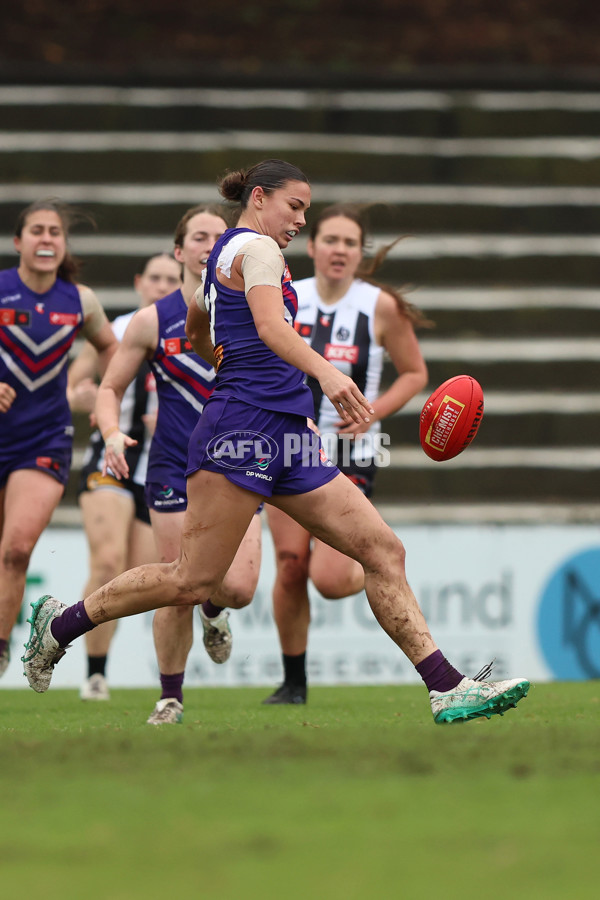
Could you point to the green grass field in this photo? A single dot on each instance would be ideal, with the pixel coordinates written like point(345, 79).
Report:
point(357, 795)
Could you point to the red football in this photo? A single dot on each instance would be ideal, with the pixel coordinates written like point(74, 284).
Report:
point(451, 417)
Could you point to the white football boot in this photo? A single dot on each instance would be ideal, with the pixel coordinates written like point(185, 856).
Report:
point(218, 639)
point(41, 650)
point(471, 699)
point(166, 712)
point(95, 688)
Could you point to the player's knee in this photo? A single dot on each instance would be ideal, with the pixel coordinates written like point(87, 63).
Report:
point(292, 570)
point(107, 567)
point(332, 591)
point(190, 587)
point(386, 556)
point(338, 588)
point(398, 554)
point(237, 590)
point(238, 599)
point(188, 596)
point(173, 614)
point(16, 557)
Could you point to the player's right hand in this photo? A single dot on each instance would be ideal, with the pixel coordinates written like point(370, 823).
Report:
point(116, 443)
point(7, 396)
point(349, 402)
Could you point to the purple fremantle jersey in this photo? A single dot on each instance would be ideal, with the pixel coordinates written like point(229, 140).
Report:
point(247, 369)
point(184, 383)
point(36, 334)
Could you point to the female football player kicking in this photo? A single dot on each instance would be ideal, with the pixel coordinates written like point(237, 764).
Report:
point(247, 308)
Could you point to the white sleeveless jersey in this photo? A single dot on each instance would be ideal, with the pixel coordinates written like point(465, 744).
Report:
point(343, 333)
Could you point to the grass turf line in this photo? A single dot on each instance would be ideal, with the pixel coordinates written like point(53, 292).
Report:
point(356, 795)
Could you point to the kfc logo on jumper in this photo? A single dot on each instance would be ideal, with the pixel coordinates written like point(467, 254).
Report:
point(339, 353)
point(58, 318)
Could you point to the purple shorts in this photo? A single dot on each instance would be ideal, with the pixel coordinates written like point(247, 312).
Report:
point(269, 453)
point(165, 498)
point(54, 461)
point(170, 497)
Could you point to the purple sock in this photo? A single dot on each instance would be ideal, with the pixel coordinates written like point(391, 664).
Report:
point(437, 673)
point(71, 624)
point(172, 686)
point(210, 610)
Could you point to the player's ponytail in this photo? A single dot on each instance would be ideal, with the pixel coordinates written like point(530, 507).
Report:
point(270, 175)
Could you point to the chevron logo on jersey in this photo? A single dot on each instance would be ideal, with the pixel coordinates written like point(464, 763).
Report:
point(186, 373)
point(36, 364)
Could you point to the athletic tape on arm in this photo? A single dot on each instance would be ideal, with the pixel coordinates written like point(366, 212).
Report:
point(93, 313)
point(262, 264)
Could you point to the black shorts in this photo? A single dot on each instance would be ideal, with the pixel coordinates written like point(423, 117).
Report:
point(362, 476)
point(92, 479)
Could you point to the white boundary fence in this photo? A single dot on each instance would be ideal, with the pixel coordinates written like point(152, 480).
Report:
point(526, 595)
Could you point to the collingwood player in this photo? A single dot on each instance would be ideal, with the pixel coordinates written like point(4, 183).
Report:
point(352, 321)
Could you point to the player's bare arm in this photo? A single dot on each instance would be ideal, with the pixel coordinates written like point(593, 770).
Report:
point(266, 305)
point(138, 343)
point(257, 270)
point(82, 388)
point(96, 328)
point(197, 329)
point(395, 332)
